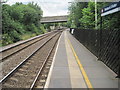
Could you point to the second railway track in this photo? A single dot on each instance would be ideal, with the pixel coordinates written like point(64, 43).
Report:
point(17, 48)
point(17, 58)
point(34, 68)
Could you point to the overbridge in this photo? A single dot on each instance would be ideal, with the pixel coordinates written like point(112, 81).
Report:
point(53, 19)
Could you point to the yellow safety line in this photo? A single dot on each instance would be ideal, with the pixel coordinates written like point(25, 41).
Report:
point(81, 68)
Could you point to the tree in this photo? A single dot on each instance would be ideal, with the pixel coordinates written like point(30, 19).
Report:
point(88, 18)
point(20, 19)
point(76, 13)
point(82, 15)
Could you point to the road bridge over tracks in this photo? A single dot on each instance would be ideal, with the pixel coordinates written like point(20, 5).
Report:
point(53, 19)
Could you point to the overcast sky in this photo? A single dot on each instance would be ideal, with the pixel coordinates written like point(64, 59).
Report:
point(49, 7)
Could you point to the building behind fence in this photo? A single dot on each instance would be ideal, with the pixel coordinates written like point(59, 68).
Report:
point(105, 45)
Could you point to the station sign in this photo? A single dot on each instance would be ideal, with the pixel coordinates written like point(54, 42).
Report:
point(112, 8)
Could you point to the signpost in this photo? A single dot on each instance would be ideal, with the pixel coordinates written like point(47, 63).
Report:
point(114, 7)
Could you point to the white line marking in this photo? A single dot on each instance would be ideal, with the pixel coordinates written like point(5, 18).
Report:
point(51, 68)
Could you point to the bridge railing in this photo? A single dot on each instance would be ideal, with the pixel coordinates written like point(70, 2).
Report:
point(105, 46)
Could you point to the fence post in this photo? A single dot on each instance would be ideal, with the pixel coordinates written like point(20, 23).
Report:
point(119, 69)
point(119, 63)
point(119, 54)
point(100, 39)
point(118, 57)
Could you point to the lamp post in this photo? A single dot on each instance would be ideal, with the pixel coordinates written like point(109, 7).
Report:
point(95, 14)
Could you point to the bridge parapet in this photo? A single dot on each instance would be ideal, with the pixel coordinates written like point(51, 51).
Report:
point(52, 19)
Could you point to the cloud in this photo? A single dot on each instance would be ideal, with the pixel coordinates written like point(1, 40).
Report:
point(49, 7)
point(10, 2)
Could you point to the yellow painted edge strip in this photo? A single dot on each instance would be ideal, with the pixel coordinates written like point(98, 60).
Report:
point(81, 68)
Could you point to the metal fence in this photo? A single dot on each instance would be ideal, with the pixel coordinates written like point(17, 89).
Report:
point(105, 45)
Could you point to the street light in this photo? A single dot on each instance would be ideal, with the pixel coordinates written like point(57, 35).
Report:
point(95, 14)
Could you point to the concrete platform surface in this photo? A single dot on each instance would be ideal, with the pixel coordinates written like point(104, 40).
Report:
point(74, 66)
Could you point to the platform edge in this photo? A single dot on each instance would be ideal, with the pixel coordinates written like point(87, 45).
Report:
point(50, 72)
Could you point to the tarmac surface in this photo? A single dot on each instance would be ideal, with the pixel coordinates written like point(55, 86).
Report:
point(74, 66)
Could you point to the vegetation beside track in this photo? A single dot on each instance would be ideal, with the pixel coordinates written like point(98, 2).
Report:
point(20, 22)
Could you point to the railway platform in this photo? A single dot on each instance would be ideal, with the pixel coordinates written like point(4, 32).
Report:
point(74, 66)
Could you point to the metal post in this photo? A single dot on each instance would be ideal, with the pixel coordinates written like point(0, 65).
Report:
point(118, 55)
point(119, 66)
point(100, 39)
point(119, 58)
point(118, 76)
point(95, 14)
point(118, 61)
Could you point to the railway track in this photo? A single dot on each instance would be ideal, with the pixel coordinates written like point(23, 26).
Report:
point(32, 71)
point(40, 80)
point(6, 53)
point(19, 56)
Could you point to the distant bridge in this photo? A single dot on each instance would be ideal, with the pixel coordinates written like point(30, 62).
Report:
point(53, 19)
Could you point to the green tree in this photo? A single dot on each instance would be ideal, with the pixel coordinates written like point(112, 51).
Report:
point(82, 15)
point(75, 11)
point(88, 18)
point(19, 20)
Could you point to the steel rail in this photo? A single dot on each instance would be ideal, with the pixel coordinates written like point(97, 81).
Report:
point(25, 41)
point(11, 72)
point(42, 37)
point(43, 65)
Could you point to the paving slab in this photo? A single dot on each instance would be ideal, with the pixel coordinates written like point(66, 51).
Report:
point(66, 73)
point(60, 76)
point(98, 73)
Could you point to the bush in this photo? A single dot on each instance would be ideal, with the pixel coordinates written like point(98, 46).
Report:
point(20, 20)
point(6, 39)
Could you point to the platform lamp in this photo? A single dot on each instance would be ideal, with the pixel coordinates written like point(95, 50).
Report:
point(95, 14)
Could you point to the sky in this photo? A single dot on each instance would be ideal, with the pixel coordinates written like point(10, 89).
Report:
point(49, 7)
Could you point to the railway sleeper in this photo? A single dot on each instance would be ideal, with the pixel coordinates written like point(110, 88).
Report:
point(40, 85)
